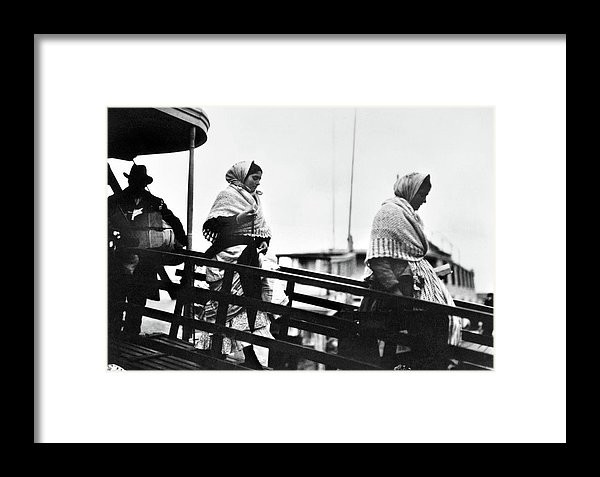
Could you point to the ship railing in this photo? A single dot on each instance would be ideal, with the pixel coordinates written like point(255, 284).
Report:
point(344, 321)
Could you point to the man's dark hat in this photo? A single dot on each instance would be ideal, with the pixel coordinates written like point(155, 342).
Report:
point(138, 175)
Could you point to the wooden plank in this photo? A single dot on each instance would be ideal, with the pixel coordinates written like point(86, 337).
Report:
point(477, 347)
point(166, 364)
point(284, 319)
point(131, 345)
point(475, 357)
point(201, 361)
point(131, 352)
point(278, 359)
point(180, 364)
point(307, 353)
point(178, 350)
point(112, 181)
point(466, 366)
point(146, 365)
point(468, 345)
point(176, 343)
point(188, 280)
point(402, 301)
point(187, 349)
point(331, 360)
point(474, 306)
point(477, 338)
point(324, 276)
point(127, 356)
point(486, 349)
point(345, 327)
point(341, 320)
point(197, 276)
point(139, 356)
point(149, 356)
point(159, 364)
point(314, 328)
point(397, 338)
point(137, 352)
point(164, 277)
point(125, 364)
point(178, 311)
point(221, 318)
point(322, 302)
point(302, 351)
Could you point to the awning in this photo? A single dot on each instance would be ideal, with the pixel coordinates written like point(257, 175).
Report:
point(140, 131)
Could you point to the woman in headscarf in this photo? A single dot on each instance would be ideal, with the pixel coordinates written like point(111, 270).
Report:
point(396, 258)
point(239, 233)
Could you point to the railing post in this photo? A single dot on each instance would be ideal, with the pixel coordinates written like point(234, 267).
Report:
point(221, 319)
point(188, 309)
point(284, 321)
point(277, 359)
point(179, 303)
point(175, 324)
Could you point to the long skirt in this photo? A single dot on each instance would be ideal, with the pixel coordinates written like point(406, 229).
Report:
point(431, 288)
point(430, 337)
point(237, 316)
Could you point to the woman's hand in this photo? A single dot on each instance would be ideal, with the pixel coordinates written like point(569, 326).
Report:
point(246, 215)
point(263, 247)
point(404, 287)
point(396, 291)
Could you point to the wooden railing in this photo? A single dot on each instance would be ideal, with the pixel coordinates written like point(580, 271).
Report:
point(344, 321)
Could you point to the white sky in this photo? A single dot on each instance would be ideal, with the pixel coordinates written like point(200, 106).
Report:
point(518, 151)
point(306, 154)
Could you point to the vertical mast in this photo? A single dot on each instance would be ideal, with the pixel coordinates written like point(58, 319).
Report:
point(333, 182)
point(350, 241)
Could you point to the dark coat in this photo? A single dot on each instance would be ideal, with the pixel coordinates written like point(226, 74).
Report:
point(124, 202)
point(120, 210)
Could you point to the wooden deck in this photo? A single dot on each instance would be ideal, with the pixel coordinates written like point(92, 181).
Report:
point(474, 355)
point(132, 356)
point(159, 352)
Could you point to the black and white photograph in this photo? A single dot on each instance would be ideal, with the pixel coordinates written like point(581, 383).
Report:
point(319, 217)
point(364, 219)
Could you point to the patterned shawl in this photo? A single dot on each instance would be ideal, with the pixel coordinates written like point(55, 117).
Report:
point(397, 232)
point(235, 199)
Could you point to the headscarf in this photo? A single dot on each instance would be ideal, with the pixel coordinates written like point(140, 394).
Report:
point(406, 187)
point(238, 173)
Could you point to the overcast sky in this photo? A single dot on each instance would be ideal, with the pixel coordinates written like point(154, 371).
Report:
point(306, 154)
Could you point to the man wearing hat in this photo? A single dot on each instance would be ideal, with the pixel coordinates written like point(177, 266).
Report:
point(132, 277)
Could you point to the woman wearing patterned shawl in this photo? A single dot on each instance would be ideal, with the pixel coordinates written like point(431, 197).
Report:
point(396, 258)
point(239, 233)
